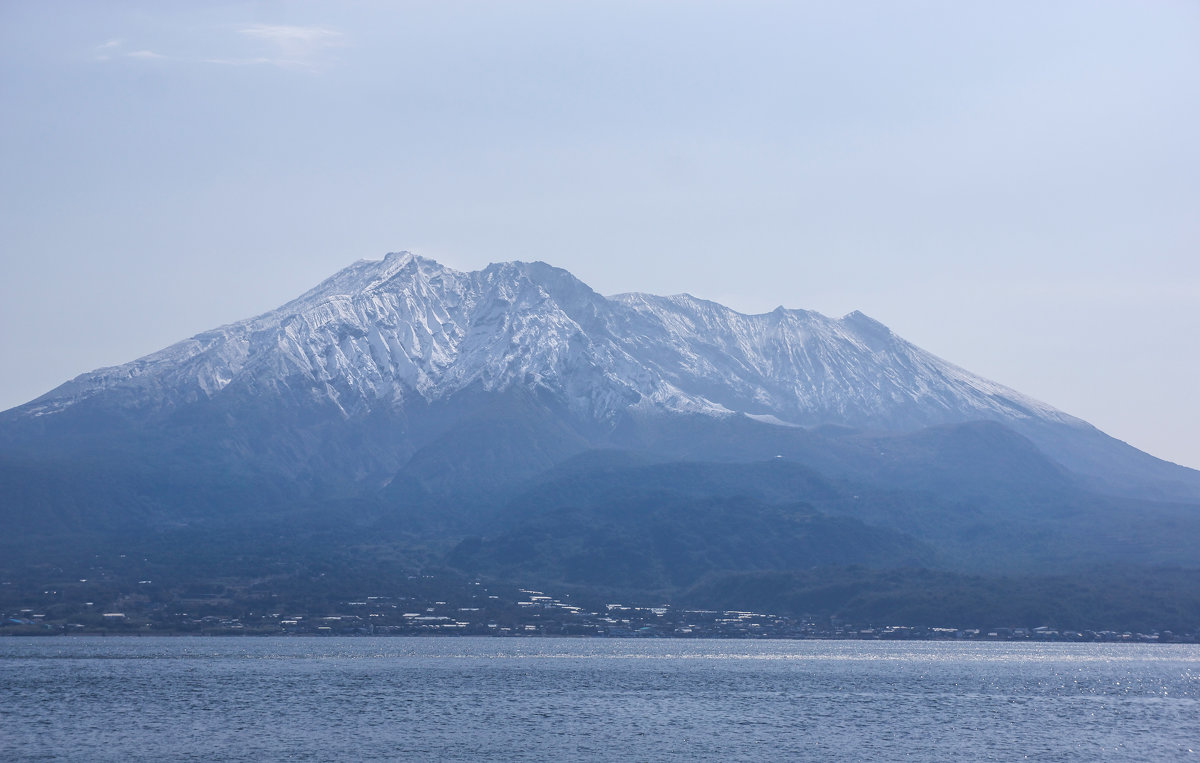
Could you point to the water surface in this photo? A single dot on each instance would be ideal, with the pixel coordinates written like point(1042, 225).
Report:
point(536, 699)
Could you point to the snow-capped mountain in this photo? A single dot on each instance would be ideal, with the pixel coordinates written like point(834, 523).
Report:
point(370, 372)
point(382, 334)
point(403, 399)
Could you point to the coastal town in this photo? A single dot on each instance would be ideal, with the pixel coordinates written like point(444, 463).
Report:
point(504, 613)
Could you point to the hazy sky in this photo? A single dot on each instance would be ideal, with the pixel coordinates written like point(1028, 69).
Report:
point(1014, 186)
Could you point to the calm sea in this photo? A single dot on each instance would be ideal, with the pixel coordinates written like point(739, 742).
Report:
point(431, 699)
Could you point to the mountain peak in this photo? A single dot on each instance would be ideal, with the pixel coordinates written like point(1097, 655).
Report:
point(397, 263)
point(862, 320)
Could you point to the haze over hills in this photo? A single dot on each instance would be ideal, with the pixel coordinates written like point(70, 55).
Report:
point(513, 422)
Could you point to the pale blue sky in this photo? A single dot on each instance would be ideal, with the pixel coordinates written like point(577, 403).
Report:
point(1013, 186)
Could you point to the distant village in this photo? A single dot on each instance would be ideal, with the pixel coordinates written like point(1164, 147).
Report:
point(525, 614)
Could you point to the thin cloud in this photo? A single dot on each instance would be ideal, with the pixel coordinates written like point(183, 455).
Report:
point(105, 50)
point(291, 47)
point(299, 38)
point(110, 49)
point(295, 46)
point(241, 61)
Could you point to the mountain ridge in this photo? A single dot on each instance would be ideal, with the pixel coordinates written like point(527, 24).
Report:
point(407, 324)
point(384, 338)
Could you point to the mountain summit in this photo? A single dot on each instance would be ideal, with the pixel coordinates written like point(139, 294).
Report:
point(380, 334)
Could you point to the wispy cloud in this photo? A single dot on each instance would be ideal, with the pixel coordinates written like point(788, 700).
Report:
point(290, 47)
point(110, 49)
point(263, 60)
point(295, 40)
point(107, 49)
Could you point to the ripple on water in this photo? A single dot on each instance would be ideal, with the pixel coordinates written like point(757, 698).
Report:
point(523, 699)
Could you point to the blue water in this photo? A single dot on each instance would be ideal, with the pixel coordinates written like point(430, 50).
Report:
point(228, 698)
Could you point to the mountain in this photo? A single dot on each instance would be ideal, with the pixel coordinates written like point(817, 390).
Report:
point(406, 402)
point(380, 335)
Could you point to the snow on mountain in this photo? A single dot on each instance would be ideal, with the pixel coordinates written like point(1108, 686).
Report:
point(803, 367)
point(390, 331)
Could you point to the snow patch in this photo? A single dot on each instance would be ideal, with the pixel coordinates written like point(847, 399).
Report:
point(767, 418)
